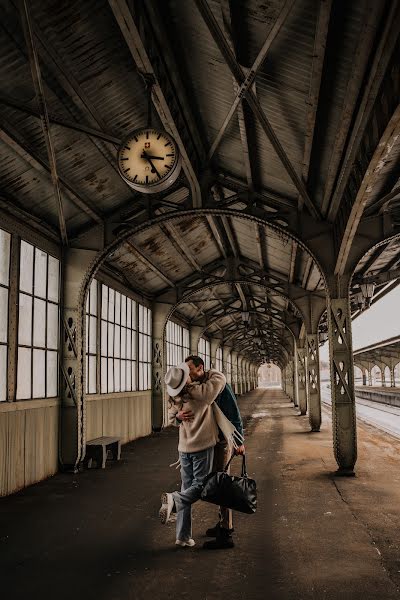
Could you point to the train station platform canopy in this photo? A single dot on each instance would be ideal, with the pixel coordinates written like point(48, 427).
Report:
point(285, 217)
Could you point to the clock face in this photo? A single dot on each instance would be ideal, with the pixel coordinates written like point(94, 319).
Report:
point(148, 160)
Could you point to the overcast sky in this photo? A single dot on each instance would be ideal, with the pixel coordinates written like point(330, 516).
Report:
point(380, 322)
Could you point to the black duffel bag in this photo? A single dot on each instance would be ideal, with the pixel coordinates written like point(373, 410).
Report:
point(237, 493)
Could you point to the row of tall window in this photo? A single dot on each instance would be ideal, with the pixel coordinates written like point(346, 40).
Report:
point(122, 359)
point(177, 344)
point(37, 317)
point(204, 351)
point(218, 359)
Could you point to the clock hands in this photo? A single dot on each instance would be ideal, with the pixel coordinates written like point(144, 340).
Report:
point(148, 158)
point(145, 155)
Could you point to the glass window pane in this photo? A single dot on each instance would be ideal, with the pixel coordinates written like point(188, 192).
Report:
point(104, 338)
point(117, 307)
point(87, 333)
point(53, 285)
point(123, 375)
point(134, 340)
point(117, 341)
point(26, 268)
point(110, 370)
point(40, 273)
point(3, 372)
point(134, 324)
point(110, 349)
point(3, 315)
point(25, 320)
point(93, 297)
point(4, 256)
point(104, 301)
point(103, 375)
point(39, 324)
point(24, 373)
point(39, 368)
point(123, 342)
point(93, 335)
point(123, 310)
point(129, 345)
point(111, 300)
point(134, 376)
point(117, 378)
point(128, 312)
point(128, 376)
point(52, 374)
point(87, 375)
point(92, 374)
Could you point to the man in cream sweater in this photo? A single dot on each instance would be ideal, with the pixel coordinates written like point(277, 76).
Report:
point(191, 411)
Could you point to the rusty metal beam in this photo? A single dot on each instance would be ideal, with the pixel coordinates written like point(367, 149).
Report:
point(231, 236)
point(139, 54)
point(13, 140)
point(377, 73)
point(216, 234)
point(253, 102)
point(380, 205)
point(74, 125)
point(381, 155)
point(249, 80)
point(321, 35)
point(146, 261)
point(44, 117)
point(170, 231)
point(226, 8)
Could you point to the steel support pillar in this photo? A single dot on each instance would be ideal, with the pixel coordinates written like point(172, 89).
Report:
point(342, 384)
point(314, 386)
point(364, 377)
point(295, 376)
point(214, 345)
point(72, 381)
point(194, 336)
point(234, 356)
point(302, 379)
point(158, 366)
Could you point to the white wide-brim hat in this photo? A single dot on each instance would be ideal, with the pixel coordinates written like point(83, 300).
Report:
point(175, 379)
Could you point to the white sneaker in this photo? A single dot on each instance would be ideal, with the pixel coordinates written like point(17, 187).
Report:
point(188, 542)
point(166, 507)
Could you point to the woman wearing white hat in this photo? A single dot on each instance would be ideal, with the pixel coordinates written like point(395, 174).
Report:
point(191, 411)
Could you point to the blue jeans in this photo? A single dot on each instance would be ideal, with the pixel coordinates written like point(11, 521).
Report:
point(195, 466)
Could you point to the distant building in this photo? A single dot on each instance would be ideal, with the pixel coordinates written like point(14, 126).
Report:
point(269, 374)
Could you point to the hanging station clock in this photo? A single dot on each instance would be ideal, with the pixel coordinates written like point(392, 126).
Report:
point(149, 160)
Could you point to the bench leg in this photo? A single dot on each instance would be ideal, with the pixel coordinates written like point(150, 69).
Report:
point(116, 450)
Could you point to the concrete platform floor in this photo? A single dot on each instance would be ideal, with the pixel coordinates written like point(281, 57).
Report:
point(96, 535)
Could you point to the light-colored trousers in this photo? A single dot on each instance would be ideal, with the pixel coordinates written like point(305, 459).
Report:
point(195, 466)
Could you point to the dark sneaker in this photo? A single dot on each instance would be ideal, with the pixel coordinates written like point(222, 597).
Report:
point(214, 531)
point(220, 543)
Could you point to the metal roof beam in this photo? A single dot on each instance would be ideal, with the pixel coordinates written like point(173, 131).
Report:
point(149, 264)
point(170, 231)
point(253, 102)
point(320, 39)
point(74, 125)
point(371, 90)
point(249, 80)
point(12, 139)
point(226, 8)
point(44, 117)
point(139, 54)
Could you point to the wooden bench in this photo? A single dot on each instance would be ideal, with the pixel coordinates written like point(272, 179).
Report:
point(98, 448)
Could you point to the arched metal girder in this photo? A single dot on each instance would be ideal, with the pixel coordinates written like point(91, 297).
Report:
point(292, 325)
point(228, 270)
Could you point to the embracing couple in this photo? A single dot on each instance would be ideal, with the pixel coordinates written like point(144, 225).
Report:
point(202, 445)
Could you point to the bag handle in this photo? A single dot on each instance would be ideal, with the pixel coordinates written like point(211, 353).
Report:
point(244, 467)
